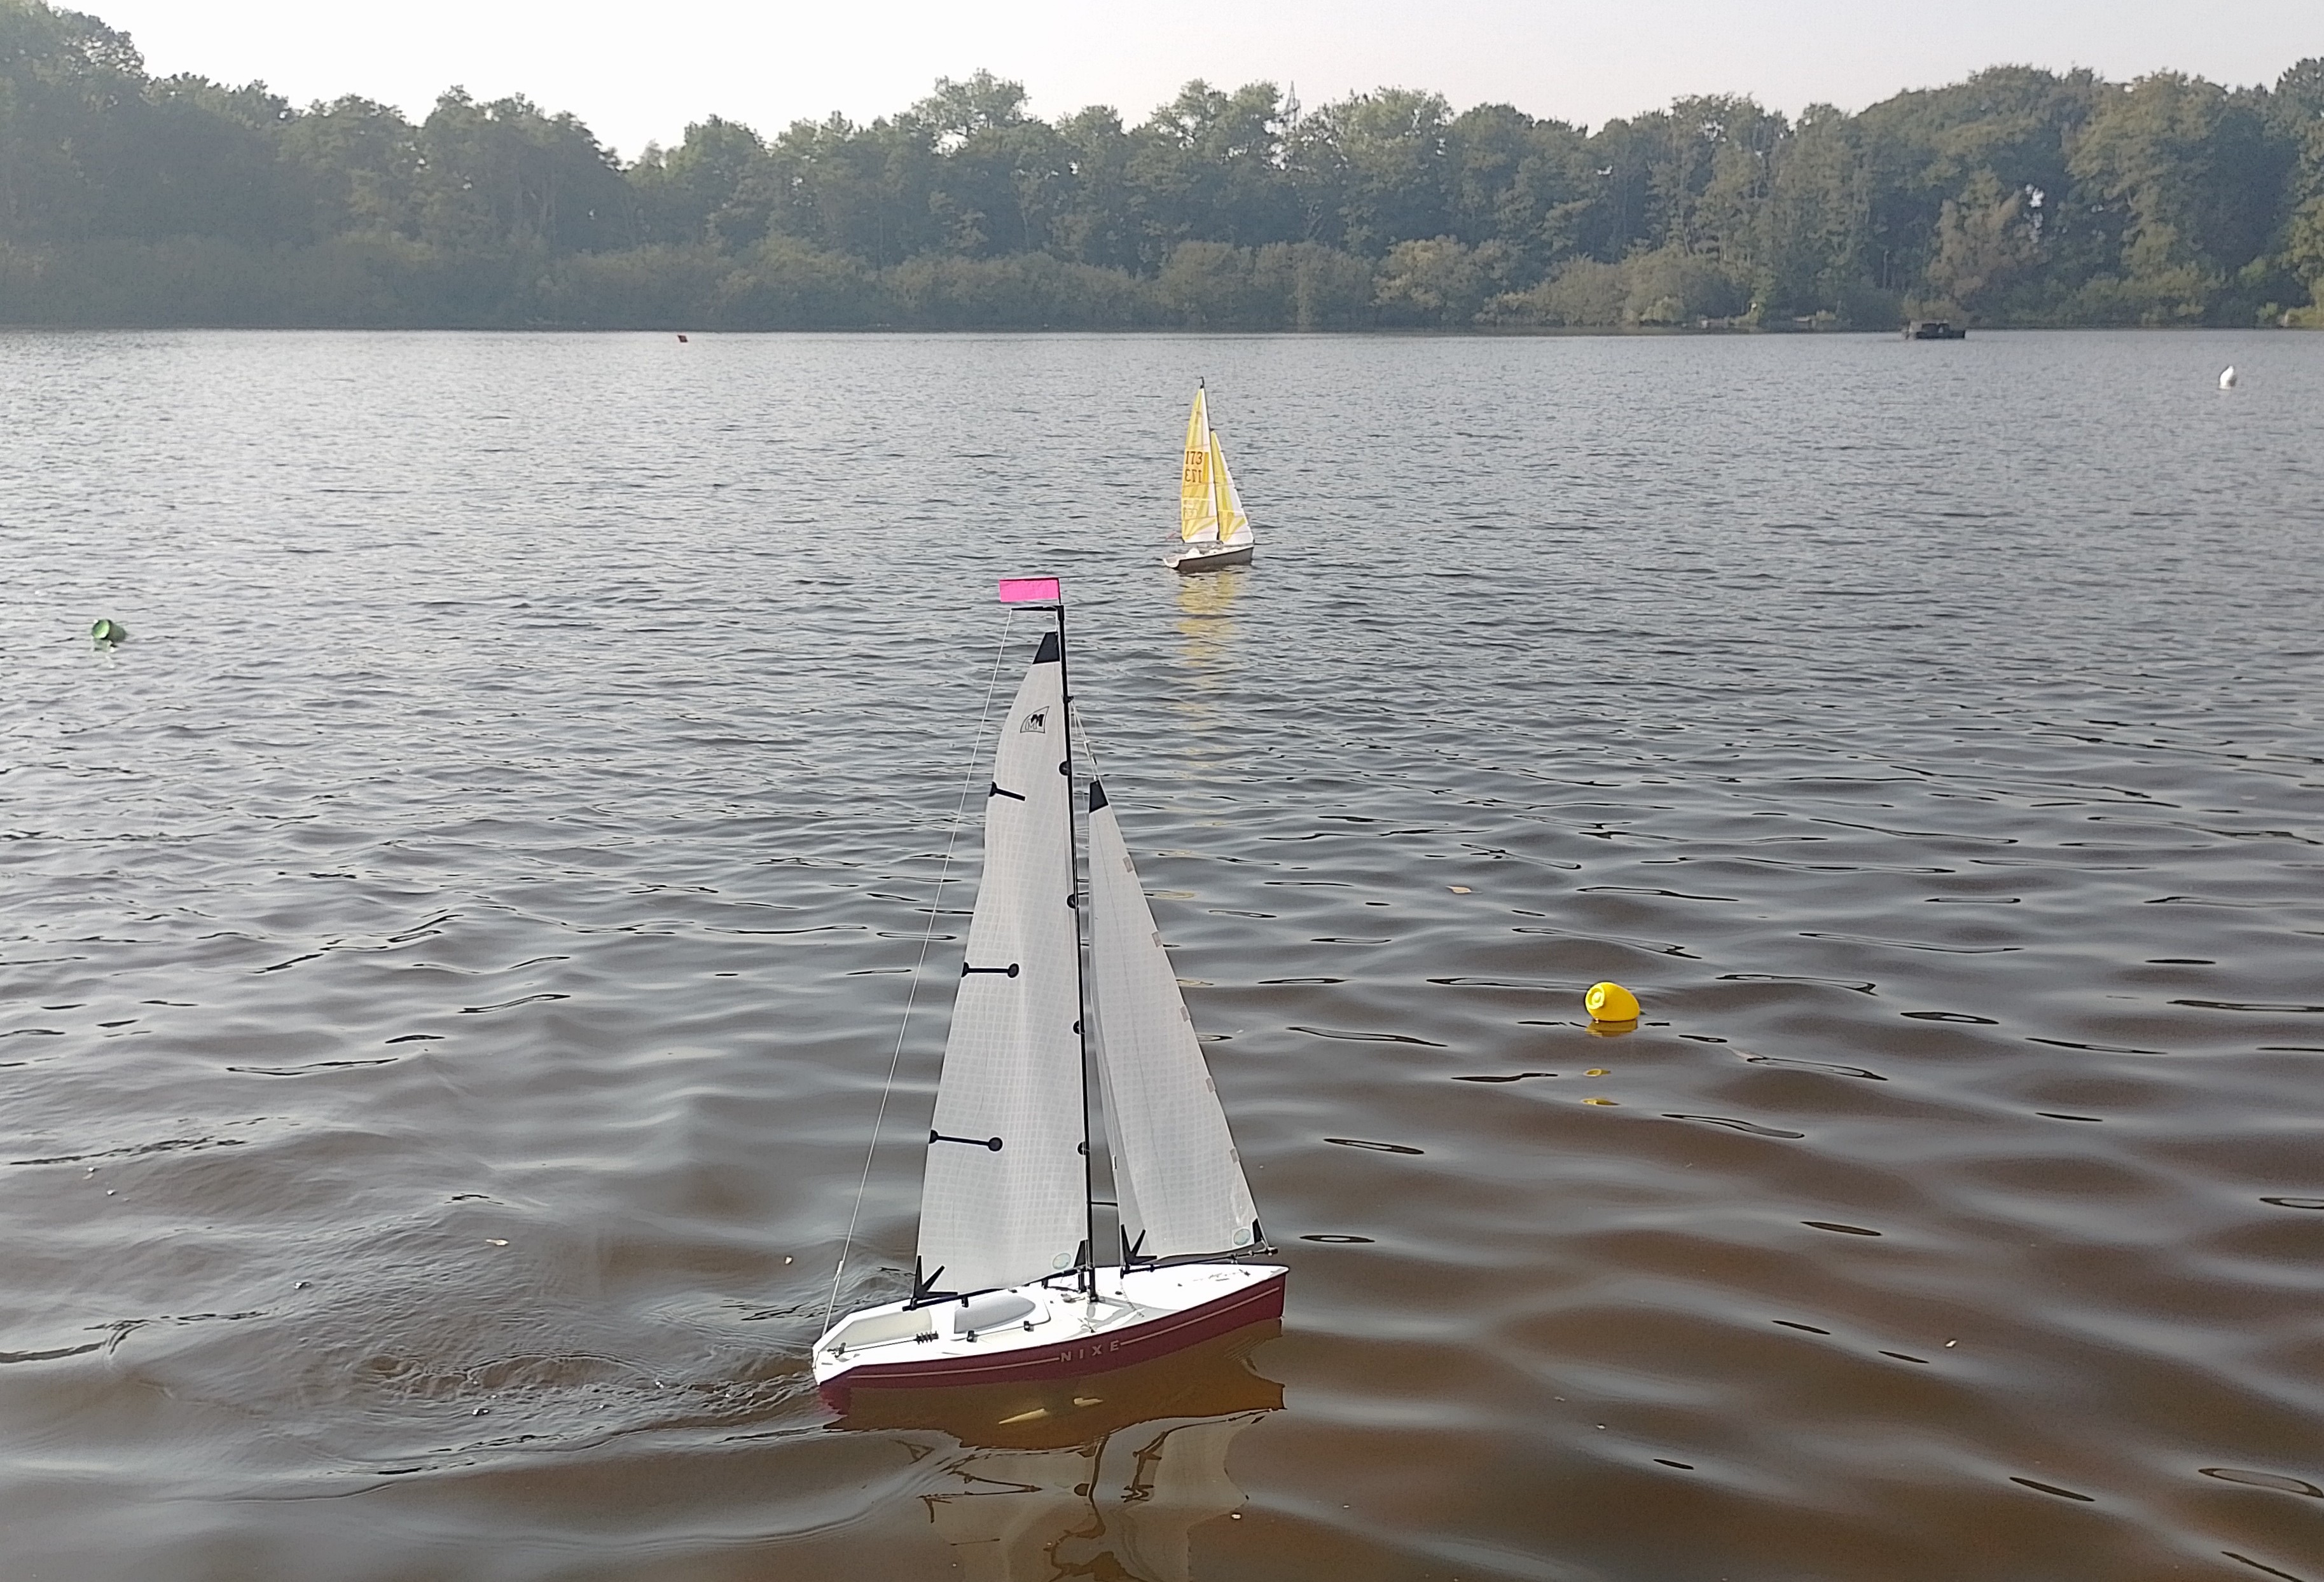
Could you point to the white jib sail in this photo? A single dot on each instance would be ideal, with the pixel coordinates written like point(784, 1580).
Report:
point(1234, 526)
point(1177, 1175)
point(1005, 1199)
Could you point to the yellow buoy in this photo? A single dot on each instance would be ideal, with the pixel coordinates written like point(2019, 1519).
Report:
point(1611, 1002)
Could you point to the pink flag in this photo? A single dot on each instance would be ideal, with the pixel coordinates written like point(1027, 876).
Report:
point(1031, 590)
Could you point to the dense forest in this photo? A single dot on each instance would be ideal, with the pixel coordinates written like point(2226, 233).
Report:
point(2020, 197)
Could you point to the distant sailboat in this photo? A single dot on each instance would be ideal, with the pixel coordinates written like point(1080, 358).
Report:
point(1213, 530)
point(1008, 1285)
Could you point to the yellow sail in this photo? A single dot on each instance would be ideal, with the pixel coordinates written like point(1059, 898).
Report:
point(1198, 510)
point(1233, 526)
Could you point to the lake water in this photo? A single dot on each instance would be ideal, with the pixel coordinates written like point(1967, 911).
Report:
point(452, 951)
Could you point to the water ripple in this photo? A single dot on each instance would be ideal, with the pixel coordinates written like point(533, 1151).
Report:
point(453, 954)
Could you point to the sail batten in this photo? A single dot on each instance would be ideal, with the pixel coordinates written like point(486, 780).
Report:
point(1005, 1195)
point(1178, 1180)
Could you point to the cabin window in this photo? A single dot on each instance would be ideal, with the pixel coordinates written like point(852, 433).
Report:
point(881, 1328)
point(991, 1311)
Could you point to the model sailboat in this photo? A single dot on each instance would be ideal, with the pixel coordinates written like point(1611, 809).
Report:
point(1213, 530)
point(1062, 989)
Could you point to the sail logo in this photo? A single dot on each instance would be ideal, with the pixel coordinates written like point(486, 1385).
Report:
point(1197, 473)
point(1037, 721)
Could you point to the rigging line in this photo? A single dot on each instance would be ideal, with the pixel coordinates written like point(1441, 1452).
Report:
point(1085, 890)
point(1089, 749)
point(1081, 968)
point(928, 937)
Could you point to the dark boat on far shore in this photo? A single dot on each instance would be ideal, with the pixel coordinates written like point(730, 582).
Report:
point(1934, 330)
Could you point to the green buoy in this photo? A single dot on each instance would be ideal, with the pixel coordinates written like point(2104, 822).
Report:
point(106, 633)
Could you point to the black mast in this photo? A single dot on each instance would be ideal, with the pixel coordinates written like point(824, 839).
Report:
point(1081, 982)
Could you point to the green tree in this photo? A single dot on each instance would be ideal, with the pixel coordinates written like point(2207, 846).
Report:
point(506, 175)
point(1209, 165)
point(1923, 150)
point(1314, 286)
point(2014, 195)
point(1374, 170)
point(713, 187)
point(1094, 222)
point(865, 191)
point(1441, 282)
point(2298, 110)
point(68, 83)
point(2189, 180)
point(1986, 241)
point(1003, 178)
point(1524, 183)
point(1812, 246)
point(357, 162)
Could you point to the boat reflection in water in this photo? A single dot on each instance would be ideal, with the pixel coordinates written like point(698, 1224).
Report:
point(1203, 620)
point(1208, 647)
point(1103, 1475)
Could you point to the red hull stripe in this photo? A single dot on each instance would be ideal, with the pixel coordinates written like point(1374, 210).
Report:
point(1068, 1359)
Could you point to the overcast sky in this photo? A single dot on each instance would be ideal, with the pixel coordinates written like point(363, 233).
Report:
point(639, 72)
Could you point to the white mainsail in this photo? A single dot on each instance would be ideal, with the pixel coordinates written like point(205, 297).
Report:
point(1198, 500)
point(1177, 1175)
point(1005, 1199)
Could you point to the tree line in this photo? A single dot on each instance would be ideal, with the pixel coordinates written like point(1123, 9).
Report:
point(2018, 196)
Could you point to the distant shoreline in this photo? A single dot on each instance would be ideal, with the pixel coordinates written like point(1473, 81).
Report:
point(1400, 332)
point(2019, 197)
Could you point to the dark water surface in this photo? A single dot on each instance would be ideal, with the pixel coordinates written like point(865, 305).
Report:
point(452, 952)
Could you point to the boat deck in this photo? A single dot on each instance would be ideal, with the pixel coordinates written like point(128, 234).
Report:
point(1034, 1331)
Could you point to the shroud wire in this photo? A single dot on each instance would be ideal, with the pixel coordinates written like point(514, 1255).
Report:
point(928, 937)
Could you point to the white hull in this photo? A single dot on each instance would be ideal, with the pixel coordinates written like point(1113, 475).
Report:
point(1029, 1331)
point(1196, 557)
